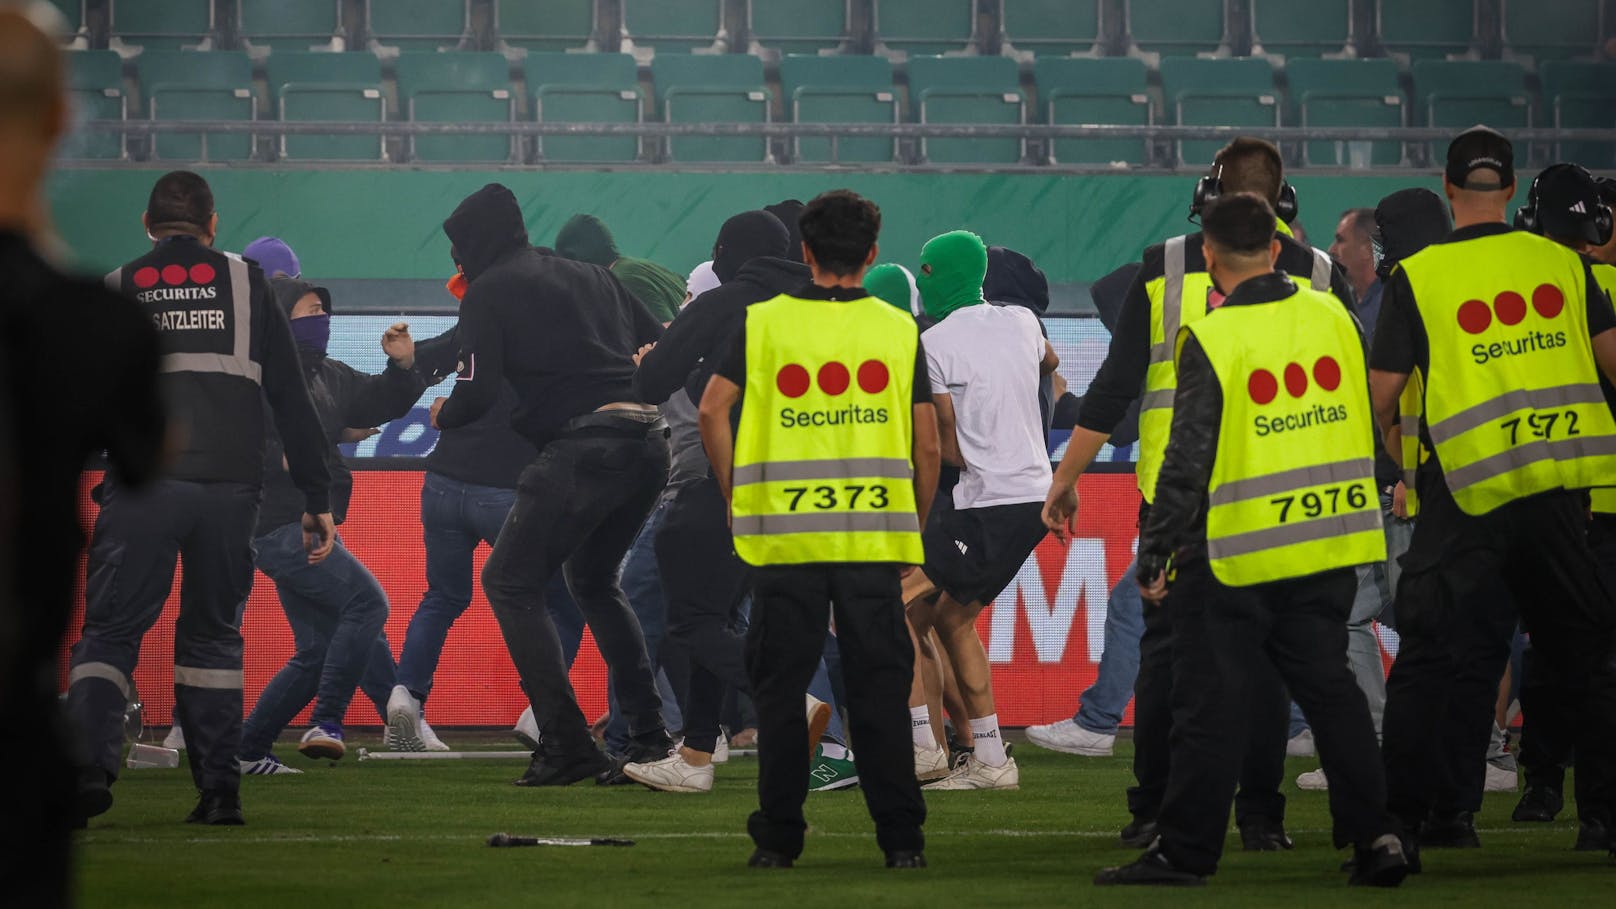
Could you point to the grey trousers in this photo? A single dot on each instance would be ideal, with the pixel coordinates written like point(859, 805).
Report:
point(1376, 585)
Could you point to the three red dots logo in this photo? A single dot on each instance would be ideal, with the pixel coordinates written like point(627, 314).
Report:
point(1263, 386)
point(174, 275)
point(834, 378)
point(1509, 307)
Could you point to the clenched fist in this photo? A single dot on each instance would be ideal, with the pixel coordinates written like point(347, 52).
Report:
point(399, 346)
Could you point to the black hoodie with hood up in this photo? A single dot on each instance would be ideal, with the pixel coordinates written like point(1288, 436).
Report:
point(562, 333)
point(1013, 280)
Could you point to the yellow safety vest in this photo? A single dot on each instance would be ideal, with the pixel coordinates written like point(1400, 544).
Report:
point(823, 467)
point(1512, 399)
point(1292, 491)
point(1604, 497)
point(1168, 313)
point(1409, 408)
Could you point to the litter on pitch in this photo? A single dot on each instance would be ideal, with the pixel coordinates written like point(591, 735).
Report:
point(368, 755)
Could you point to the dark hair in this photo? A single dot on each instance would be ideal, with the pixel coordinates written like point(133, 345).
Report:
point(179, 199)
point(1361, 219)
point(839, 228)
point(1249, 165)
point(1242, 223)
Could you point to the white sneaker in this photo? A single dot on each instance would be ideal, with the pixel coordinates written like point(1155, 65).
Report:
point(430, 739)
point(721, 749)
point(527, 730)
point(1313, 781)
point(818, 721)
point(1301, 745)
point(930, 763)
point(404, 721)
point(175, 738)
point(1069, 738)
point(268, 765)
point(671, 774)
point(976, 775)
point(1499, 779)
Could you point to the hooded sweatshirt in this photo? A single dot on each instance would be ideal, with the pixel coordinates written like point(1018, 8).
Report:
point(562, 333)
point(344, 398)
point(952, 267)
point(895, 285)
point(1013, 280)
point(789, 212)
point(586, 239)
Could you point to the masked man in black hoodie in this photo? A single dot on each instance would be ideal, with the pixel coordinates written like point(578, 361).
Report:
point(336, 608)
point(702, 577)
point(563, 334)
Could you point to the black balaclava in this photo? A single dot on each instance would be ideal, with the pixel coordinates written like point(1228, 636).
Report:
point(1013, 278)
point(789, 212)
point(747, 236)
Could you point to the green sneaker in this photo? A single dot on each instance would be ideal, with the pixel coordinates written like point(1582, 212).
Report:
point(827, 774)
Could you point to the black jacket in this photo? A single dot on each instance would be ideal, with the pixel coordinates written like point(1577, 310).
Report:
point(344, 398)
point(1013, 280)
point(562, 333)
point(486, 451)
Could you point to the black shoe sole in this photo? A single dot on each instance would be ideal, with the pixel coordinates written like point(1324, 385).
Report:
point(1139, 840)
point(568, 774)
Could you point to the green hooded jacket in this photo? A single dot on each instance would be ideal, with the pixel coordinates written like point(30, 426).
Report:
point(952, 267)
point(586, 239)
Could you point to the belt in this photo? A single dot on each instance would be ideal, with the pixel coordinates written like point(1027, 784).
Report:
point(624, 423)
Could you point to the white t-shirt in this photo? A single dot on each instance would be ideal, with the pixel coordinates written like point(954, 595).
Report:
point(986, 358)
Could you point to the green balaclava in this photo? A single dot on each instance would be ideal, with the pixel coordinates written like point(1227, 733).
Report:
point(952, 267)
point(893, 284)
point(585, 239)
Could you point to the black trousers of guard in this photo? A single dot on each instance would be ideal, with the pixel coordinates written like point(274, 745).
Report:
point(791, 612)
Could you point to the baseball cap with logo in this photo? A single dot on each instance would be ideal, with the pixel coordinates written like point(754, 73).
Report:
point(1569, 203)
point(1481, 148)
point(274, 257)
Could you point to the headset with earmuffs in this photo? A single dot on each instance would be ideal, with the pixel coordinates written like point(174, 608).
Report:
point(1210, 187)
point(1528, 218)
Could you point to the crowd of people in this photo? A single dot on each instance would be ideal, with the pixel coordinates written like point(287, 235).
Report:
point(800, 474)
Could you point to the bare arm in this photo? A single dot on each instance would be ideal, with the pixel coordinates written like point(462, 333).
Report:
point(1060, 506)
point(717, 437)
point(946, 436)
point(1050, 361)
point(1385, 388)
point(927, 456)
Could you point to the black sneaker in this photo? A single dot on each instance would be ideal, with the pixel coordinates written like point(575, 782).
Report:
point(94, 794)
point(766, 858)
point(1139, 833)
point(1264, 835)
point(564, 769)
point(217, 809)
point(1150, 869)
point(644, 750)
point(1450, 830)
point(1538, 805)
point(1383, 865)
point(1594, 836)
point(904, 858)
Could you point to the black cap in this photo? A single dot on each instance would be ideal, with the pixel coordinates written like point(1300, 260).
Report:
point(1406, 222)
point(1480, 147)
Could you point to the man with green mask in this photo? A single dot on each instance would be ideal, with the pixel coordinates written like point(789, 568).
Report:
point(894, 284)
point(585, 239)
point(984, 364)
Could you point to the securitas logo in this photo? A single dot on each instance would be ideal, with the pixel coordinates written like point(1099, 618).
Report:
point(1509, 309)
point(1263, 386)
point(834, 380)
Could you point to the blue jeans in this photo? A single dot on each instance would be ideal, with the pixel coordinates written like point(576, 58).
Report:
point(1102, 706)
point(455, 517)
point(337, 611)
point(642, 584)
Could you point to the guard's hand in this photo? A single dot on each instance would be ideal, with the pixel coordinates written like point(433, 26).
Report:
point(355, 434)
point(1151, 576)
point(399, 346)
point(640, 354)
point(1060, 511)
point(1400, 501)
point(319, 536)
point(437, 405)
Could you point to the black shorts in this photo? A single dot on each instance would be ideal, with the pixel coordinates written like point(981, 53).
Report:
point(973, 553)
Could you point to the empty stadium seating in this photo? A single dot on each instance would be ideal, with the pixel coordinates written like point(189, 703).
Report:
point(307, 87)
point(95, 83)
point(289, 24)
point(415, 25)
point(839, 90)
point(456, 87)
point(1347, 93)
point(198, 85)
point(161, 24)
point(1096, 90)
point(790, 27)
point(1427, 28)
point(910, 27)
point(693, 88)
point(1213, 92)
point(1540, 30)
point(1058, 27)
point(546, 25)
point(673, 26)
point(967, 90)
point(1287, 28)
point(1581, 95)
point(1459, 93)
point(1176, 26)
point(584, 88)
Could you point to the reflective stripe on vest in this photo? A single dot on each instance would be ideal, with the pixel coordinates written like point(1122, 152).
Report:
point(1409, 408)
point(1292, 491)
point(823, 469)
point(1512, 400)
point(238, 361)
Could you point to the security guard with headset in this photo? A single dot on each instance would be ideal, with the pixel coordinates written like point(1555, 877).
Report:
point(829, 475)
point(1265, 504)
point(1565, 205)
point(1173, 290)
point(1510, 332)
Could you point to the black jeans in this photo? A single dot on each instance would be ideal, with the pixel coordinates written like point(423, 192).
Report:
point(704, 583)
point(1466, 581)
point(791, 611)
point(578, 507)
point(138, 537)
point(1226, 641)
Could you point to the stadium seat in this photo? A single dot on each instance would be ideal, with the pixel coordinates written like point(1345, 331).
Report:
point(784, 27)
point(843, 89)
point(1286, 28)
point(910, 27)
point(585, 88)
point(1058, 27)
point(416, 25)
point(160, 24)
point(307, 86)
point(95, 83)
point(289, 24)
point(1427, 28)
point(546, 25)
point(1347, 93)
point(967, 90)
point(673, 26)
point(457, 87)
point(1176, 26)
point(1461, 93)
point(1581, 95)
point(699, 88)
point(1096, 90)
point(1211, 92)
point(1541, 30)
point(199, 85)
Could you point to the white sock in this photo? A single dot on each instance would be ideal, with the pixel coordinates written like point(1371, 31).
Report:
point(920, 719)
point(985, 738)
point(833, 751)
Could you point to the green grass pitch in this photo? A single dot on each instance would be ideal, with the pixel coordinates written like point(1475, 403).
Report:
point(408, 833)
